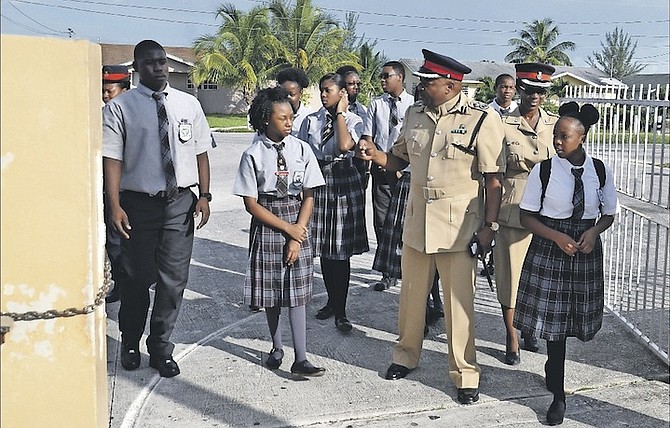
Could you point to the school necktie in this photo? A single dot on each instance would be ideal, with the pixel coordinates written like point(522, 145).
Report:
point(393, 114)
point(504, 111)
point(328, 130)
point(352, 108)
point(578, 194)
point(163, 126)
point(282, 179)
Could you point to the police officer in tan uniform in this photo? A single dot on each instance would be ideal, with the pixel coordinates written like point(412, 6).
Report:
point(450, 142)
point(528, 140)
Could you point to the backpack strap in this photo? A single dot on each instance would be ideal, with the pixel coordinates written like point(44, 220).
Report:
point(545, 172)
point(600, 170)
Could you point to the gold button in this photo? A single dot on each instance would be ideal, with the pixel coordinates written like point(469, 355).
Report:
point(430, 178)
point(429, 201)
point(432, 155)
point(438, 132)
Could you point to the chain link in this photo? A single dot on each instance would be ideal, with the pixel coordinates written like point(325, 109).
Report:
point(69, 312)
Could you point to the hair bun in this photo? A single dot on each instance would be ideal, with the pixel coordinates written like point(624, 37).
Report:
point(588, 114)
point(568, 109)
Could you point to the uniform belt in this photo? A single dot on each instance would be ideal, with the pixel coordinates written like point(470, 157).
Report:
point(161, 194)
point(433, 193)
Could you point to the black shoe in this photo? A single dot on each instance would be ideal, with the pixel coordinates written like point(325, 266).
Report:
point(130, 357)
point(305, 368)
point(272, 362)
point(324, 313)
point(166, 366)
point(434, 314)
point(513, 358)
point(382, 285)
point(112, 295)
point(468, 395)
point(254, 309)
point(343, 324)
point(396, 371)
point(425, 330)
point(530, 343)
point(556, 412)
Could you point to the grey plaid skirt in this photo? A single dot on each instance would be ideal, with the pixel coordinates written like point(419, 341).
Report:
point(389, 250)
point(269, 281)
point(561, 296)
point(338, 218)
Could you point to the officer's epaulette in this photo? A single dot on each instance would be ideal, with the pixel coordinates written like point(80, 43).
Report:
point(478, 105)
point(513, 119)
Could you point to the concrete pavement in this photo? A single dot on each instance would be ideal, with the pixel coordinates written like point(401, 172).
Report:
point(220, 347)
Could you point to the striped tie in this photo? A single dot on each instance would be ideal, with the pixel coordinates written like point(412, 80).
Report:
point(393, 114)
point(578, 194)
point(327, 131)
point(163, 125)
point(282, 173)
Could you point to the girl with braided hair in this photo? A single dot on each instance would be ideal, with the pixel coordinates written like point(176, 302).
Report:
point(276, 176)
point(570, 199)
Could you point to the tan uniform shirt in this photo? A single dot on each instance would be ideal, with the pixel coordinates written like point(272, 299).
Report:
point(524, 147)
point(445, 204)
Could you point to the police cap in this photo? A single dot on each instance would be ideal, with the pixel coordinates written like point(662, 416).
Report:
point(534, 74)
point(115, 74)
point(436, 66)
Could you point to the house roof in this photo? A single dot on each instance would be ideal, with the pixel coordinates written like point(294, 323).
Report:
point(481, 69)
point(123, 54)
point(648, 79)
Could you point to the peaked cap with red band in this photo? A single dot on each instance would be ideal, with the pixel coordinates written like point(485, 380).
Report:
point(436, 66)
point(534, 74)
point(115, 74)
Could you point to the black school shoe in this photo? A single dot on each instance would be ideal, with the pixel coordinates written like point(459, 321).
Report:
point(130, 357)
point(166, 366)
point(272, 362)
point(556, 412)
point(343, 324)
point(305, 368)
point(325, 313)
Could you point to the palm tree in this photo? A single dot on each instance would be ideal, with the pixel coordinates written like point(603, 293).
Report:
point(537, 43)
point(312, 40)
point(371, 65)
point(616, 55)
point(242, 54)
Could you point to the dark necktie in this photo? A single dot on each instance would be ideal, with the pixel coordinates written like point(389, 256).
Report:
point(578, 195)
point(393, 115)
point(352, 108)
point(504, 111)
point(163, 127)
point(327, 131)
point(282, 173)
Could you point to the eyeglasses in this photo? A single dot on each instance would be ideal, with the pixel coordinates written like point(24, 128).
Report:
point(386, 75)
point(530, 90)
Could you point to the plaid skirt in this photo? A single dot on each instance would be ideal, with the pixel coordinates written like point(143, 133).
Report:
point(338, 218)
point(389, 250)
point(269, 281)
point(561, 296)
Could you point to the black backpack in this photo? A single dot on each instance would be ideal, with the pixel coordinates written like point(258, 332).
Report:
point(545, 172)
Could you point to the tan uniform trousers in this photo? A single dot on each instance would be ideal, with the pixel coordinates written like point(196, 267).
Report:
point(457, 273)
point(509, 254)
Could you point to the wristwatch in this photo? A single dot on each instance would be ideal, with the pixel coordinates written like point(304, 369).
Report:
point(493, 225)
point(207, 196)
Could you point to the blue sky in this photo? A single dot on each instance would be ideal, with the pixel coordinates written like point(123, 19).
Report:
point(466, 30)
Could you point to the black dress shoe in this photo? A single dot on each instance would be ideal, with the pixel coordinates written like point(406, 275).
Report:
point(513, 358)
point(130, 357)
point(272, 362)
point(468, 395)
point(556, 412)
point(396, 371)
point(382, 285)
point(305, 368)
point(324, 313)
point(343, 324)
point(530, 343)
point(166, 366)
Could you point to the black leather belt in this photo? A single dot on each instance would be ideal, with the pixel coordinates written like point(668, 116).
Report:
point(161, 194)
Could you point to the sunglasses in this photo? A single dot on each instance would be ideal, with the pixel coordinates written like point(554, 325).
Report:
point(530, 90)
point(386, 75)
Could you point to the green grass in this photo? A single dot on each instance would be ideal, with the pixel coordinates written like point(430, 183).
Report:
point(228, 122)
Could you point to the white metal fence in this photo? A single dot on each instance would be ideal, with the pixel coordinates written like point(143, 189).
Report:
point(633, 138)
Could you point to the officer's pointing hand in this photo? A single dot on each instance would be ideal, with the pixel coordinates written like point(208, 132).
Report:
point(366, 149)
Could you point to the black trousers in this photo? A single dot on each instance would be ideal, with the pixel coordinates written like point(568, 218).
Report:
point(381, 199)
point(158, 251)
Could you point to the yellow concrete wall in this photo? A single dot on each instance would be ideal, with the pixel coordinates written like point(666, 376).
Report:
point(53, 371)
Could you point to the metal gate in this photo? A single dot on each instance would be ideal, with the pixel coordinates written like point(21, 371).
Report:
point(633, 138)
